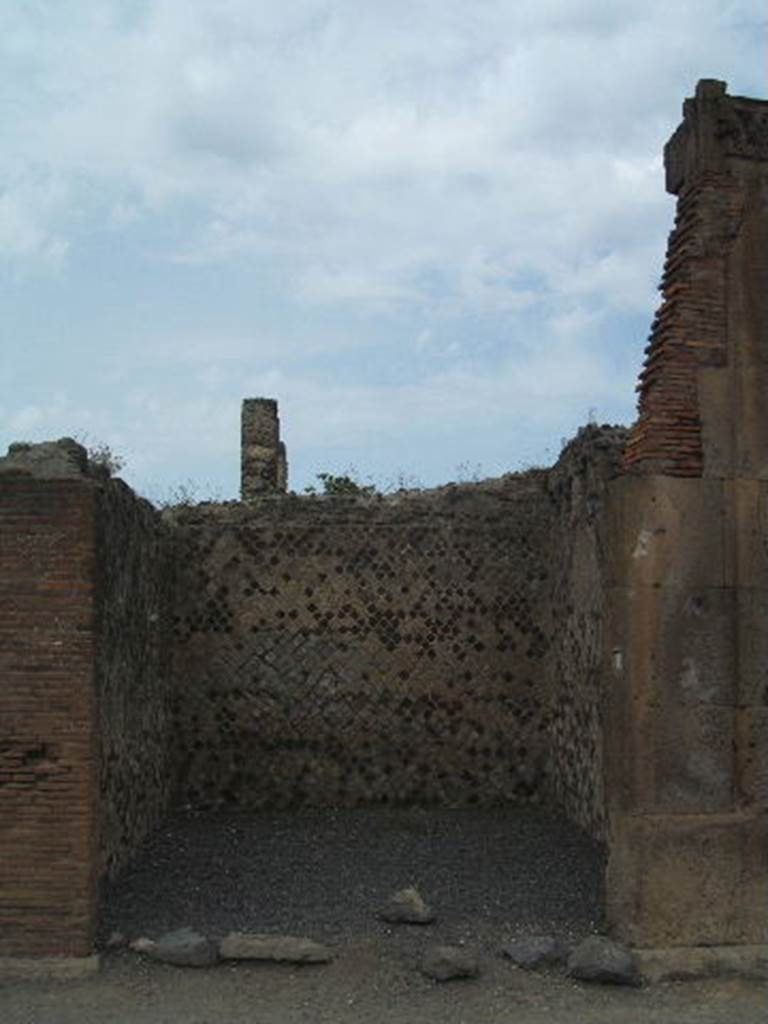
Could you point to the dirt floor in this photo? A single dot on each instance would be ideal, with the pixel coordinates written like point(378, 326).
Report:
point(488, 874)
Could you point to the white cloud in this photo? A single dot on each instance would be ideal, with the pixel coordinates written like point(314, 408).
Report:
point(437, 180)
point(29, 240)
point(324, 132)
point(59, 416)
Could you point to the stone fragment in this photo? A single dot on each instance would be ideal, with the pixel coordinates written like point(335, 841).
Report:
point(116, 940)
point(406, 907)
point(446, 962)
point(142, 945)
point(183, 948)
point(601, 960)
point(534, 951)
point(278, 948)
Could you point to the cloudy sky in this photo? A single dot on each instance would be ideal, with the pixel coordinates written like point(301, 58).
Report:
point(432, 229)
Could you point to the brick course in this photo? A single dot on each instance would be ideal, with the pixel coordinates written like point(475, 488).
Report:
point(689, 331)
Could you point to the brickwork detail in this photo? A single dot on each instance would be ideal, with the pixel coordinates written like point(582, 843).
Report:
point(712, 163)
point(48, 754)
point(85, 767)
point(689, 330)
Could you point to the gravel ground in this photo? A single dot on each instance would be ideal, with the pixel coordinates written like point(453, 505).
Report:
point(325, 872)
point(488, 874)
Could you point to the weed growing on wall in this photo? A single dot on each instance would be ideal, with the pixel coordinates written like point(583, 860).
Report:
point(344, 484)
point(101, 456)
point(185, 494)
point(466, 473)
point(402, 482)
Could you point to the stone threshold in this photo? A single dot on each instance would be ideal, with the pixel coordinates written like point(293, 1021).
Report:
point(682, 963)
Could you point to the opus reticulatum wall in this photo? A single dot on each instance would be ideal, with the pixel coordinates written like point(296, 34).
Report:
point(344, 651)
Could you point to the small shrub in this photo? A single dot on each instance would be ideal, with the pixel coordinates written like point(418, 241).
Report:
point(344, 484)
point(185, 494)
point(102, 457)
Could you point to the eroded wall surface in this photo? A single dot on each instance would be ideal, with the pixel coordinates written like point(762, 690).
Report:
point(578, 486)
point(134, 579)
point(335, 650)
point(325, 650)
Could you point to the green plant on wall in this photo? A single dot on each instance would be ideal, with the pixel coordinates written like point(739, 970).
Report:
point(102, 457)
point(343, 484)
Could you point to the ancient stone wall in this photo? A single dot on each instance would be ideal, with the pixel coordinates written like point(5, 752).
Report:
point(686, 736)
point(84, 751)
point(134, 576)
point(345, 651)
point(578, 489)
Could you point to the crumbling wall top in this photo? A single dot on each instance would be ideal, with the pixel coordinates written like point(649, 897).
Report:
point(53, 460)
point(716, 128)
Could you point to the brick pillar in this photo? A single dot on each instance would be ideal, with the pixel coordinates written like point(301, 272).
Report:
point(706, 358)
point(263, 465)
point(49, 776)
point(686, 683)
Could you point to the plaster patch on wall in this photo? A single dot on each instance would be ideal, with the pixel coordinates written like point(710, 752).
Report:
point(644, 538)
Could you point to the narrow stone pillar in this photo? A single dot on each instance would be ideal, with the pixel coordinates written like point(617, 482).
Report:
point(263, 463)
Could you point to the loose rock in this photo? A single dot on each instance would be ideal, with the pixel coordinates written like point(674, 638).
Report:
point(278, 948)
point(534, 951)
point(116, 940)
point(142, 945)
point(183, 948)
point(601, 960)
point(406, 907)
point(446, 962)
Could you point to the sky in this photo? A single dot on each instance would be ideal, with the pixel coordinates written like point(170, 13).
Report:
point(431, 229)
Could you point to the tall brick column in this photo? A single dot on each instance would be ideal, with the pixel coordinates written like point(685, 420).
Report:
point(85, 765)
point(49, 775)
point(702, 388)
point(686, 646)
